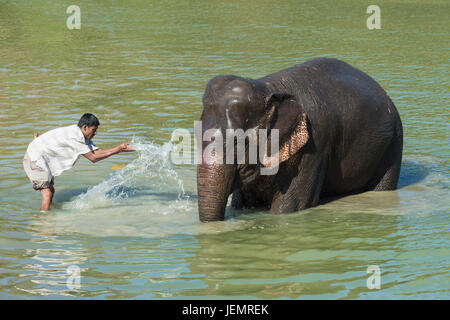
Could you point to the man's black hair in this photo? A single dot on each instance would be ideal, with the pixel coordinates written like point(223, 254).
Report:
point(89, 119)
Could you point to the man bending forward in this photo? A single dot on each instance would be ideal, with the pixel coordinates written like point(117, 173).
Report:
point(57, 150)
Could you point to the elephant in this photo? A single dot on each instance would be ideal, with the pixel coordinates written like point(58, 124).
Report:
point(339, 134)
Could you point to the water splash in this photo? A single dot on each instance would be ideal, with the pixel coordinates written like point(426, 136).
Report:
point(152, 170)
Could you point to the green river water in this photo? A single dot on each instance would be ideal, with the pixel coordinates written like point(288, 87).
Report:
point(141, 67)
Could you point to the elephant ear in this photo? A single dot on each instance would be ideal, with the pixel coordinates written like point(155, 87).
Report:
point(290, 119)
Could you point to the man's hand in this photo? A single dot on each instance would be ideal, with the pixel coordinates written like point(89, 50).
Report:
point(98, 155)
point(125, 147)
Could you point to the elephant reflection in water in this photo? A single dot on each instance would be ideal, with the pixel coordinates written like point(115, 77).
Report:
point(293, 256)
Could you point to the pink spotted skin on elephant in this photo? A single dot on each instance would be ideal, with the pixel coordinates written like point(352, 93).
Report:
point(339, 133)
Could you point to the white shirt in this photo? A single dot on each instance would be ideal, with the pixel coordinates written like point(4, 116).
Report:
point(57, 150)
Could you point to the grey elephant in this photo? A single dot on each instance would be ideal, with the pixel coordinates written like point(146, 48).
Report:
point(339, 134)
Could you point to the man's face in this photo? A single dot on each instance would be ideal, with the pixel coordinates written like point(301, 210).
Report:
point(89, 132)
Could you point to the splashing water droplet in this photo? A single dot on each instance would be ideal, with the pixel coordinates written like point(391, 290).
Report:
point(151, 170)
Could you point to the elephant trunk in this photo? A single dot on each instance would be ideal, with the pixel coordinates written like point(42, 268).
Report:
point(214, 184)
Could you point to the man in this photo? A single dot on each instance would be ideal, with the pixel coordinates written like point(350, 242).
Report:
point(57, 150)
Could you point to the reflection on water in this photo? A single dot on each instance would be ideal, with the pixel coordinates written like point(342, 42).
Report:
point(413, 172)
point(134, 232)
point(48, 272)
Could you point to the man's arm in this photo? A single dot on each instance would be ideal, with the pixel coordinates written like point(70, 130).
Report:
point(98, 155)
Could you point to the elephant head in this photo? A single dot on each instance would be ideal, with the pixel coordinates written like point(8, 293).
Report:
point(231, 102)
